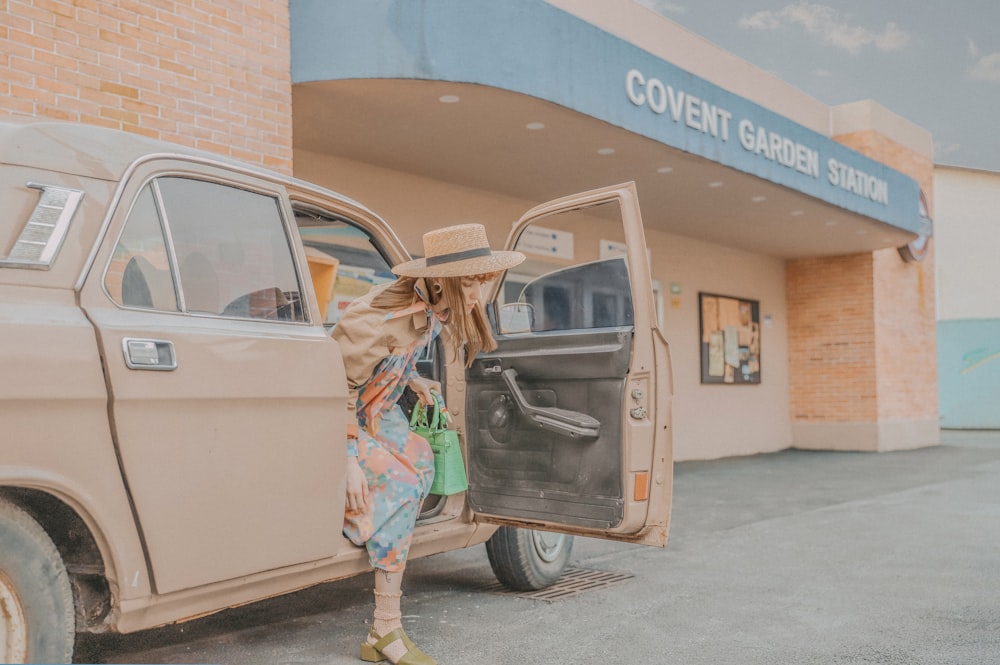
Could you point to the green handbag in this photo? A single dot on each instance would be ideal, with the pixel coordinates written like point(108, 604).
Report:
point(449, 467)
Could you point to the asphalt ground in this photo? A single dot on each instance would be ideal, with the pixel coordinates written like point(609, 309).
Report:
point(793, 557)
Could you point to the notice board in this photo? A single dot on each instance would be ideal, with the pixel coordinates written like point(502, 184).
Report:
point(730, 339)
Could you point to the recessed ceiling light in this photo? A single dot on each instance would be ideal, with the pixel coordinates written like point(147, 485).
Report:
point(797, 213)
point(448, 99)
point(758, 198)
point(665, 169)
point(605, 151)
point(535, 125)
point(716, 183)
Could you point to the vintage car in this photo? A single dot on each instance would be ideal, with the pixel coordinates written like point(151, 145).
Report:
point(174, 407)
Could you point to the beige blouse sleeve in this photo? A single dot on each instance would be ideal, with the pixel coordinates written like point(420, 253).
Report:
point(362, 341)
point(365, 337)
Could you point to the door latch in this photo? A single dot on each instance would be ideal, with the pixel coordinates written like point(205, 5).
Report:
point(155, 354)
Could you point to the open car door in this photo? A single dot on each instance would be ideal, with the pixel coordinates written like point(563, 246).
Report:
point(568, 421)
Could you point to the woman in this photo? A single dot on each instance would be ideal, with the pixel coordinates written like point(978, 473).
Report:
point(389, 469)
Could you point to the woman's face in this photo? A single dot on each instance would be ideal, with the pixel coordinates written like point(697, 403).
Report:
point(471, 295)
point(472, 291)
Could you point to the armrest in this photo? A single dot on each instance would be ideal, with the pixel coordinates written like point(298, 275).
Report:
point(561, 421)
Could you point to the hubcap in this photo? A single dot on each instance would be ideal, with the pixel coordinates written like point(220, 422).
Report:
point(548, 545)
point(13, 625)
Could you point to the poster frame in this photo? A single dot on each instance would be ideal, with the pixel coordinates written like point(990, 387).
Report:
point(749, 367)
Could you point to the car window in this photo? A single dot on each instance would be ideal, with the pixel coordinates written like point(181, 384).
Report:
point(592, 295)
point(231, 254)
point(344, 261)
point(139, 274)
point(568, 282)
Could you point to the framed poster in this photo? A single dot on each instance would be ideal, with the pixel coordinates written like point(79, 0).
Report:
point(730, 339)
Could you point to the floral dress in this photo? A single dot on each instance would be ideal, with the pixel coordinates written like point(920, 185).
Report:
point(398, 464)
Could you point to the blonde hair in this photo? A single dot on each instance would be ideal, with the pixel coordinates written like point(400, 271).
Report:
point(466, 329)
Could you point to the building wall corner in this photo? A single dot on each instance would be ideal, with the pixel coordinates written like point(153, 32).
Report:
point(862, 336)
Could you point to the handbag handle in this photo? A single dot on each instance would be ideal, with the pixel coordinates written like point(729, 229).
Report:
point(419, 415)
point(441, 411)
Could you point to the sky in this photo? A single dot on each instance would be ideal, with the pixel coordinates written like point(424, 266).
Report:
point(934, 62)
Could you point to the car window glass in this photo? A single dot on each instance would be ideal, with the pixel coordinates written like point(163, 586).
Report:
point(139, 274)
point(232, 251)
point(575, 276)
point(344, 262)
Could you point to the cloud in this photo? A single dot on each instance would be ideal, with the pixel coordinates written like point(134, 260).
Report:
point(827, 24)
point(941, 148)
point(663, 6)
point(986, 68)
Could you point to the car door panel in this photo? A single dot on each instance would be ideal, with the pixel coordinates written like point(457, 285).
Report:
point(227, 471)
point(568, 420)
point(517, 460)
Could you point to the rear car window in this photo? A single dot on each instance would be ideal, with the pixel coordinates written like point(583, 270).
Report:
point(206, 248)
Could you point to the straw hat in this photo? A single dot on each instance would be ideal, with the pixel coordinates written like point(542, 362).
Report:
point(458, 251)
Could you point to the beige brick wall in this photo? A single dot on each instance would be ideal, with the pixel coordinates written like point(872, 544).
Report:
point(212, 74)
point(906, 331)
point(831, 346)
point(906, 337)
point(861, 328)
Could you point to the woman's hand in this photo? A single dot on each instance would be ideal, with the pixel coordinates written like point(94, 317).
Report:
point(357, 487)
point(424, 387)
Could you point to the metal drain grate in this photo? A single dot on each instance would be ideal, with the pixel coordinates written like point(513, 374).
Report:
point(573, 582)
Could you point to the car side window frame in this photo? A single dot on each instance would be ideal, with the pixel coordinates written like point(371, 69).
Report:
point(576, 287)
point(275, 193)
point(306, 211)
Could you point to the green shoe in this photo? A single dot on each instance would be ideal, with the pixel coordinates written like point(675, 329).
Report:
point(372, 653)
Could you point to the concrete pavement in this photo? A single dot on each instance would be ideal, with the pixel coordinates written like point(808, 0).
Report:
point(793, 557)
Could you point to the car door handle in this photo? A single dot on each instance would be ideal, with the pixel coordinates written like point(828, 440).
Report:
point(568, 423)
point(154, 354)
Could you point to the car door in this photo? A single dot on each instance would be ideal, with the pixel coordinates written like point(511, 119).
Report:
point(226, 395)
point(568, 420)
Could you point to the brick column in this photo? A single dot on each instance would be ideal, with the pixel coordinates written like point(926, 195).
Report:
point(212, 75)
point(862, 337)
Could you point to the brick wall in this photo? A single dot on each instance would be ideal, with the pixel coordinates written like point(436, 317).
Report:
point(906, 337)
point(831, 346)
point(862, 327)
point(906, 330)
point(212, 74)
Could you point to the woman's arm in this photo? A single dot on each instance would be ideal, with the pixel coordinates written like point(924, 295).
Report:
point(424, 388)
point(357, 486)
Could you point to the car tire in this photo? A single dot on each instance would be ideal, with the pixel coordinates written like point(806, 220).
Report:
point(528, 560)
point(37, 617)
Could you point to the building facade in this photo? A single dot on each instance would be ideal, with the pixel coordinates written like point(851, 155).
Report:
point(213, 75)
point(773, 221)
point(968, 310)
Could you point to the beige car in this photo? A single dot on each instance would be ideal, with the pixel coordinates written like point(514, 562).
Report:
point(173, 407)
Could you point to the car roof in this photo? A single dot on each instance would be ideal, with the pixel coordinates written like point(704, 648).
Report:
point(107, 154)
point(85, 150)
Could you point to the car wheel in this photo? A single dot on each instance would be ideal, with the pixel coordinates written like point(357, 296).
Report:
point(37, 623)
point(528, 560)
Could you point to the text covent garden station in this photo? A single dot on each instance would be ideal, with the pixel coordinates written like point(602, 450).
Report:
point(787, 238)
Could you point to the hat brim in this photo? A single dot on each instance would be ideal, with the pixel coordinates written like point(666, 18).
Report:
point(495, 262)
